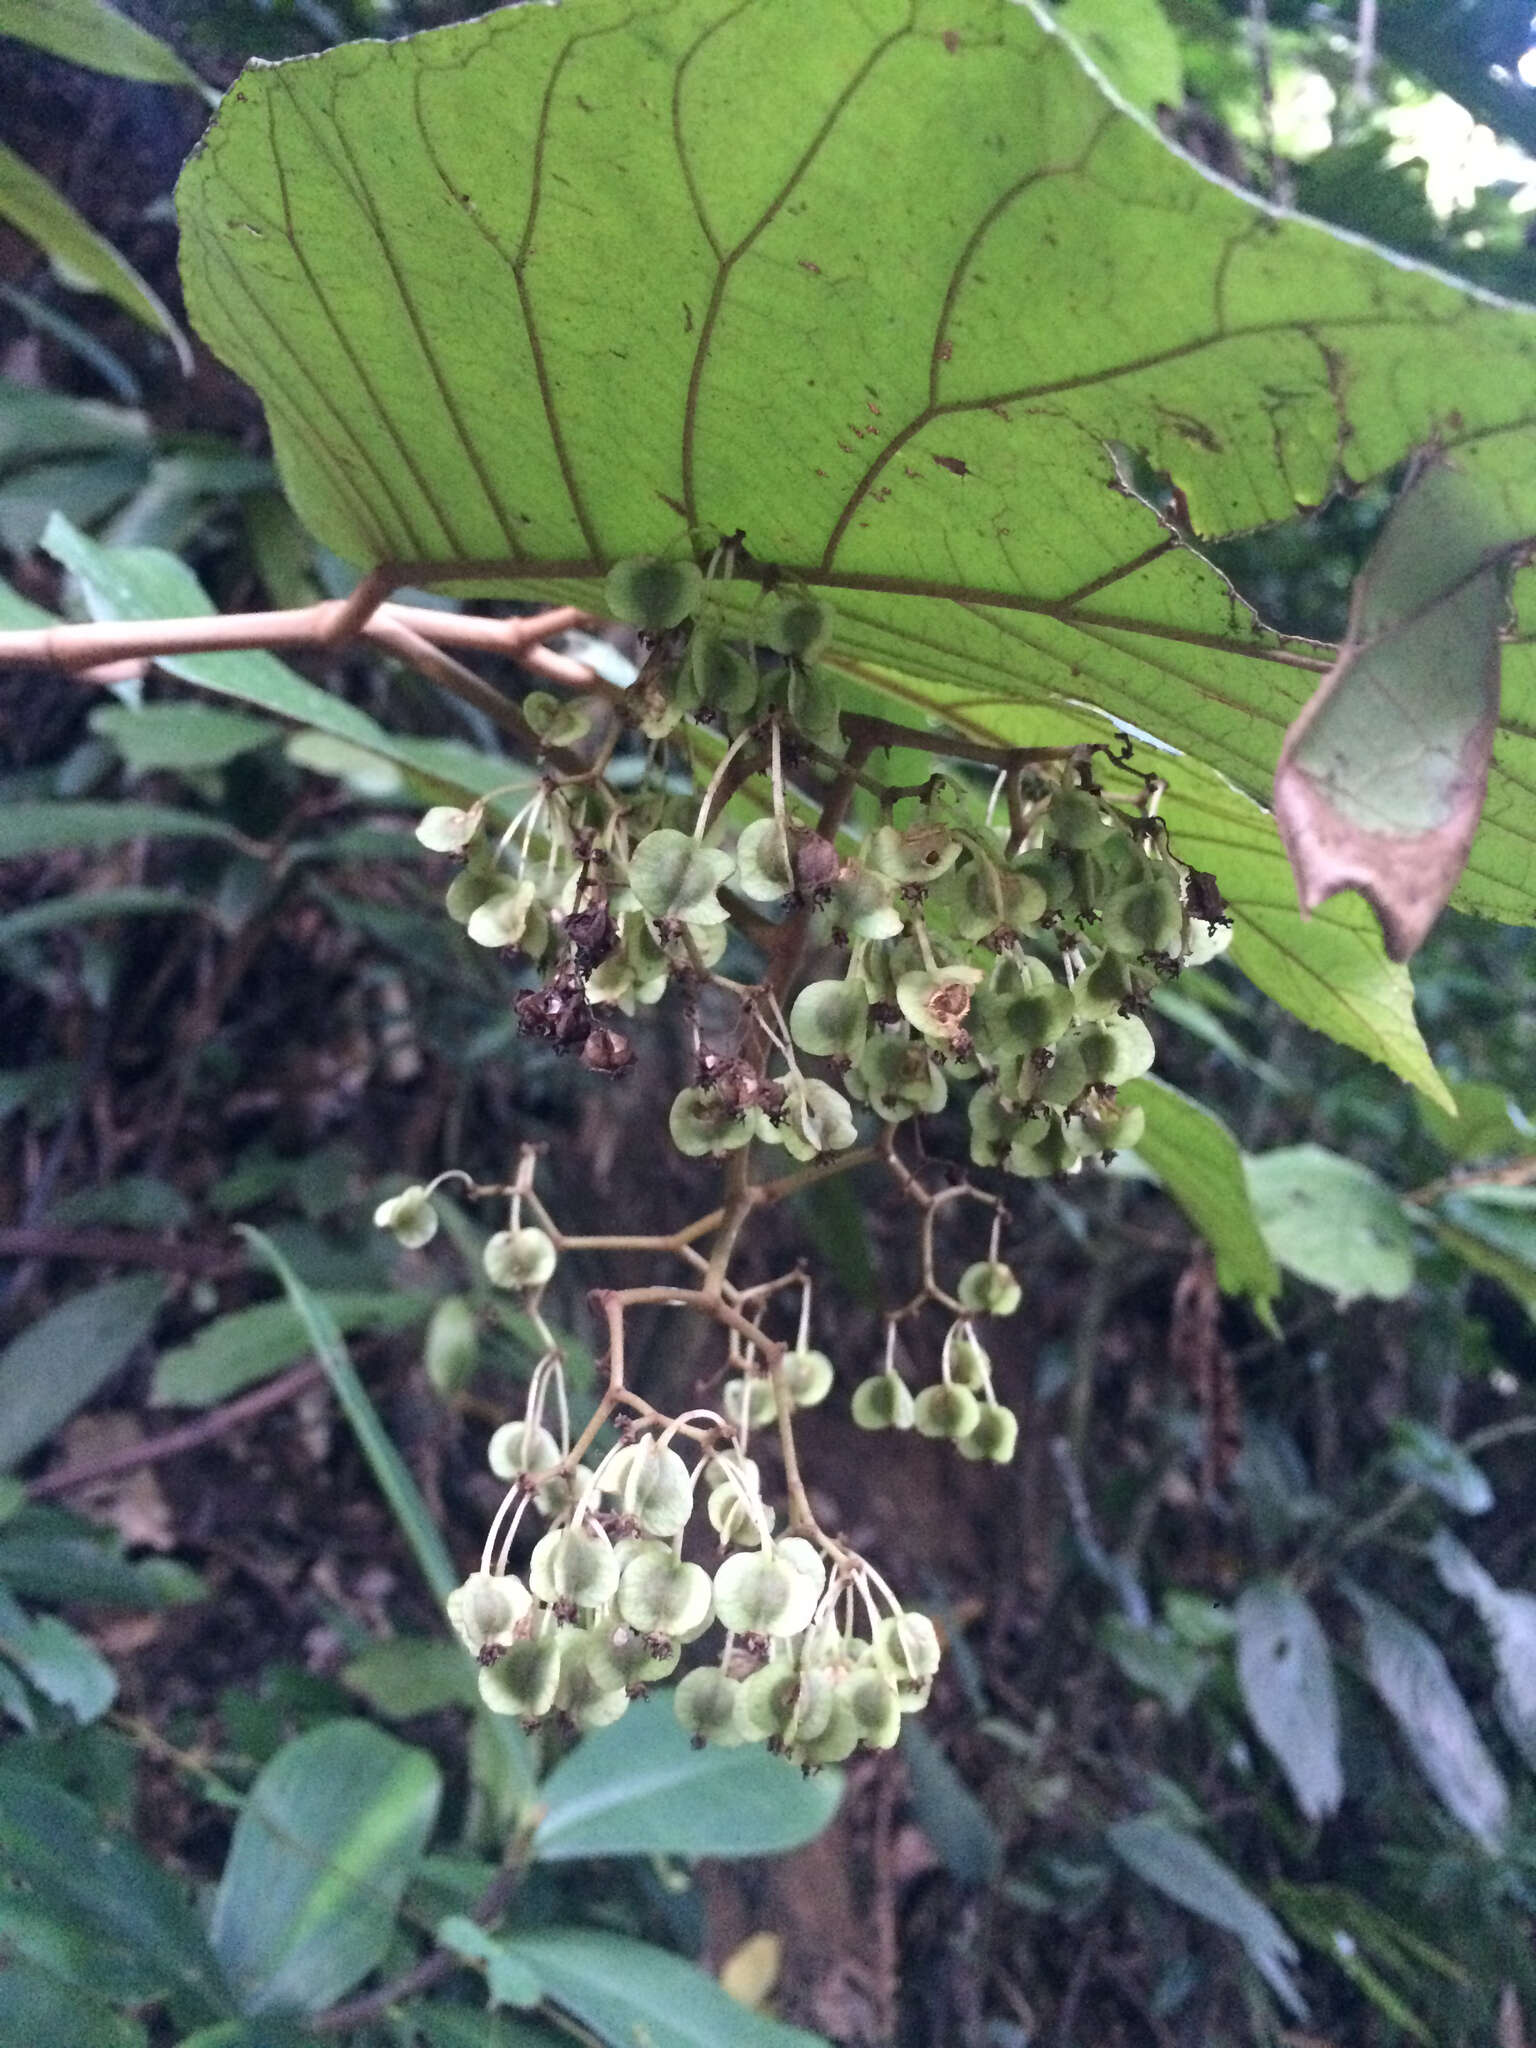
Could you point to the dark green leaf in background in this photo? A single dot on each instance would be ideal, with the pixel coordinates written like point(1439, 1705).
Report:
point(508, 1978)
point(1197, 1160)
point(639, 1788)
point(1285, 1674)
point(1185, 1871)
point(56, 1365)
point(1431, 1460)
point(251, 1344)
point(321, 1855)
point(962, 1832)
point(1416, 1687)
point(96, 1880)
point(410, 1675)
point(1509, 1616)
point(1331, 1221)
point(629, 1993)
point(46, 1554)
point(53, 827)
point(186, 737)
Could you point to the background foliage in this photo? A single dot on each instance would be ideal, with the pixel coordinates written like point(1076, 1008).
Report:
point(1251, 1563)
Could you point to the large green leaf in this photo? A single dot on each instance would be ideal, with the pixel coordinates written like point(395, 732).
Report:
point(56, 1365)
point(321, 1855)
point(895, 290)
point(640, 1788)
point(628, 1993)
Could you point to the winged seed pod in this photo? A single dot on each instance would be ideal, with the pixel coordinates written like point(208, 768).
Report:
point(989, 1288)
point(651, 592)
point(801, 627)
point(487, 1609)
point(523, 1681)
point(445, 829)
point(946, 1410)
point(808, 1377)
point(995, 1437)
point(760, 1593)
point(519, 1258)
point(883, 1402)
point(409, 1217)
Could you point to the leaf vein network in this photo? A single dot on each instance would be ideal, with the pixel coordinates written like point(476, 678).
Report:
point(726, 263)
point(359, 368)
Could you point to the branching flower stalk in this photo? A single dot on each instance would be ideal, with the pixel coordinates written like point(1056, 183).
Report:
point(1017, 957)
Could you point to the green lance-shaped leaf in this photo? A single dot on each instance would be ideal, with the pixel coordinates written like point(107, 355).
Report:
point(149, 583)
point(628, 1994)
point(1197, 1159)
point(55, 1365)
point(81, 256)
point(859, 388)
point(146, 1935)
point(1417, 1689)
point(1185, 1871)
point(1285, 1673)
point(89, 32)
point(1381, 781)
point(321, 1855)
point(1510, 1619)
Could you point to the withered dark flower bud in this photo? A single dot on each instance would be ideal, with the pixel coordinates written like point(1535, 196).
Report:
point(816, 863)
point(771, 1097)
point(607, 1052)
point(592, 933)
point(883, 1015)
point(1204, 898)
point(736, 1084)
point(559, 1012)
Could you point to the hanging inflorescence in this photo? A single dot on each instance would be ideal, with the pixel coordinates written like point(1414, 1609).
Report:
point(915, 940)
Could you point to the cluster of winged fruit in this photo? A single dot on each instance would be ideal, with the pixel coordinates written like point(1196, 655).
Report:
point(818, 1657)
point(1018, 956)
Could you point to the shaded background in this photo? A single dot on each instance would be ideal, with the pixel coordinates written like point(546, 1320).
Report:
point(303, 1024)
